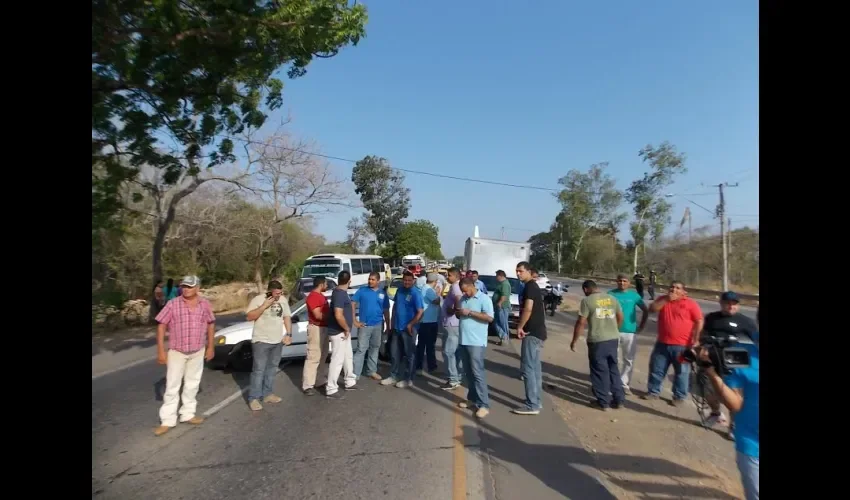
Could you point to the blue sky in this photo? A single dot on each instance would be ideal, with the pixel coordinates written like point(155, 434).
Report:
point(522, 93)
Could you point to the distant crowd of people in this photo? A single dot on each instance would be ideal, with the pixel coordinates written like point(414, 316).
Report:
point(462, 318)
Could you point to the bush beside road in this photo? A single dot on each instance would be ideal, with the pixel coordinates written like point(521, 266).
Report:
point(696, 293)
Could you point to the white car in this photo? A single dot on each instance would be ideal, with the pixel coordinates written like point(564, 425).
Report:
point(233, 344)
point(491, 284)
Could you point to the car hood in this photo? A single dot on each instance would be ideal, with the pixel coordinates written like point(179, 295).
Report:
point(514, 298)
point(237, 328)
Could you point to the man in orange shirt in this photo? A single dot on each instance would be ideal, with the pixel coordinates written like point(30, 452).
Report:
point(679, 325)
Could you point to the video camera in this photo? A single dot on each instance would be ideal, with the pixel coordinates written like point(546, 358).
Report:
point(723, 351)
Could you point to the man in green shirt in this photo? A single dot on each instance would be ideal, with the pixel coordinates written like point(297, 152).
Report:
point(603, 315)
point(630, 301)
point(502, 306)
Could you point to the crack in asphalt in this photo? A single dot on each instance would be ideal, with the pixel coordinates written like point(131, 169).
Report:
point(225, 465)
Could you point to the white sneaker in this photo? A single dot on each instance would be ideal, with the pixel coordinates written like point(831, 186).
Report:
point(388, 381)
point(402, 384)
point(715, 419)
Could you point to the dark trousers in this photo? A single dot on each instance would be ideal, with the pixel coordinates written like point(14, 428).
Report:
point(604, 373)
point(426, 346)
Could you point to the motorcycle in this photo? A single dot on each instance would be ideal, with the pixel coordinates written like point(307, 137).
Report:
point(553, 299)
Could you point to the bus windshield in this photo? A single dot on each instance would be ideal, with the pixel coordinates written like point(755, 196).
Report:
point(321, 267)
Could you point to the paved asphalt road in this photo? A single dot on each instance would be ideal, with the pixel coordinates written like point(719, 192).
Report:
point(380, 442)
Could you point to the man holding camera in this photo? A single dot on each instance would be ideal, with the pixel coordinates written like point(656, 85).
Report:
point(739, 391)
point(679, 325)
point(723, 323)
point(271, 316)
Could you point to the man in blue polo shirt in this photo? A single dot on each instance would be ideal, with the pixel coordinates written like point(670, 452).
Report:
point(475, 312)
point(373, 311)
point(739, 391)
point(407, 311)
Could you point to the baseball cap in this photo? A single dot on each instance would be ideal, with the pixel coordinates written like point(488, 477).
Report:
point(190, 281)
point(729, 297)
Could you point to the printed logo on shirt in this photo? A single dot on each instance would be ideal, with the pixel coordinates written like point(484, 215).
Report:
point(381, 296)
point(604, 313)
point(604, 309)
point(408, 297)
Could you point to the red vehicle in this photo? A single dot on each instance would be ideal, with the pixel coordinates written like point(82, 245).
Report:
point(413, 263)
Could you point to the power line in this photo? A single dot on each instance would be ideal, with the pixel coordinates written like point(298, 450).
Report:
point(409, 171)
point(406, 170)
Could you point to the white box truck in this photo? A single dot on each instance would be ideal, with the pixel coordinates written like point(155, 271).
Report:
point(488, 256)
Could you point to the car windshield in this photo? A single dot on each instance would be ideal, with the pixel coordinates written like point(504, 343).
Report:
point(298, 307)
point(491, 283)
point(321, 267)
point(397, 284)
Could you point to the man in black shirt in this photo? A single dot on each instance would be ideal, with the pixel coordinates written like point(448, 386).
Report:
point(639, 280)
point(340, 323)
point(727, 321)
point(532, 330)
point(653, 279)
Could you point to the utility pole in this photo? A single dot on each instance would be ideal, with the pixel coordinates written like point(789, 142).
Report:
point(729, 233)
point(503, 233)
point(721, 213)
point(560, 243)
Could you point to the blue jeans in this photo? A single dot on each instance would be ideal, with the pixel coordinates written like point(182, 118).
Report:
point(476, 376)
point(266, 360)
point(605, 377)
point(501, 322)
point(749, 468)
point(532, 372)
point(402, 339)
point(368, 343)
point(451, 354)
point(427, 345)
point(664, 355)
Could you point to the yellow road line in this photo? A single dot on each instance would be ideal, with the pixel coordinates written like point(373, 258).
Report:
point(459, 456)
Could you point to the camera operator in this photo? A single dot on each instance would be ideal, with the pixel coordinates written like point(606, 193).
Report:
point(739, 391)
point(727, 321)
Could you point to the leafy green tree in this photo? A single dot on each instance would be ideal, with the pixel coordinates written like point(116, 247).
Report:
point(589, 200)
point(543, 250)
point(420, 237)
point(169, 78)
point(457, 261)
point(646, 194)
point(384, 196)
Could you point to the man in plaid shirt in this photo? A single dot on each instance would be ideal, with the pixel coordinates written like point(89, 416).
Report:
point(190, 322)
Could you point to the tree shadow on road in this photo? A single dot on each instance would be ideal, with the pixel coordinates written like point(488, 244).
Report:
point(571, 471)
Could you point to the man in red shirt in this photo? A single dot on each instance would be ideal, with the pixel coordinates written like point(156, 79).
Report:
point(318, 312)
point(679, 325)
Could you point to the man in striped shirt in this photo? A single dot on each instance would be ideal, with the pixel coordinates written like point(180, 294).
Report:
point(190, 322)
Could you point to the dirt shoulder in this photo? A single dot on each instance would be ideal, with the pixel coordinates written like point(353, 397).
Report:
point(655, 434)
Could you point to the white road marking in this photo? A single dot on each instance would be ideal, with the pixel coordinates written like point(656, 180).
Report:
point(120, 368)
point(233, 397)
point(236, 395)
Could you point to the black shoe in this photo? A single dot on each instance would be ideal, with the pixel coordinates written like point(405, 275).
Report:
point(599, 406)
point(616, 405)
point(448, 386)
point(352, 388)
point(336, 395)
point(310, 392)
